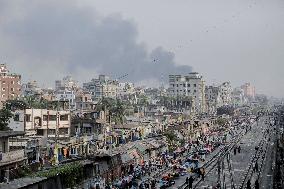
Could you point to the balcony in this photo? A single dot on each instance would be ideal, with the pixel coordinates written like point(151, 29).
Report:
point(12, 157)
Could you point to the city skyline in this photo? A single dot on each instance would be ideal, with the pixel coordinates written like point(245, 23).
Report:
point(239, 44)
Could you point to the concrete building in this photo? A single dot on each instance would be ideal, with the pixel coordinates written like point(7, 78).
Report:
point(9, 158)
point(17, 122)
point(47, 123)
point(67, 83)
point(217, 96)
point(226, 93)
point(101, 87)
point(238, 97)
point(68, 96)
point(213, 98)
point(10, 84)
point(190, 85)
point(84, 101)
point(249, 90)
point(125, 89)
point(31, 89)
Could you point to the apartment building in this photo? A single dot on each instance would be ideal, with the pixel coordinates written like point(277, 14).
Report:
point(101, 87)
point(47, 123)
point(249, 90)
point(10, 158)
point(10, 84)
point(191, 85)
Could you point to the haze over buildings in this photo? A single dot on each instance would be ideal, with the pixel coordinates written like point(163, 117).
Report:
point(240, 41)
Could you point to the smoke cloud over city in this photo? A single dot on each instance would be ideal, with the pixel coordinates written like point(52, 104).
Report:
point(50, 39)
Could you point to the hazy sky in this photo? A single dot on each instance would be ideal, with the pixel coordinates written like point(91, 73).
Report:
point(225, 40)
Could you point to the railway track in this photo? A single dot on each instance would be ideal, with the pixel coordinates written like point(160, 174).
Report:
point(259, 154)
point(213, 162)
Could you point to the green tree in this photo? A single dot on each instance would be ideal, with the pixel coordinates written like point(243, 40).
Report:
point(5, 116)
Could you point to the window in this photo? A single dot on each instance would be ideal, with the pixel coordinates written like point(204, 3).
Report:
point(64, 117)
point(188, 85)
point(28, 118)
point(39, 132)
point(3, 82)
point(188, 91)
point(183, 85)
point(16, 117)
point(177, 85)
point(63, 131)
point(173, 85)
point(3, 95)
point(12, 89)
point(3, 89)
point(195, 91)
point(51, 131)
point(12, 82)
point(44, 118)
point(194, 85)
point(52, 117)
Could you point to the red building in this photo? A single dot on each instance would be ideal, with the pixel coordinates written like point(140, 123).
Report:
point(10, 84)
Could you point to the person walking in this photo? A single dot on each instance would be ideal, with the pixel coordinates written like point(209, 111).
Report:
point(190, 181)
point(248, 185)
point(239, 149)
point(256, 184)
point(256, 167)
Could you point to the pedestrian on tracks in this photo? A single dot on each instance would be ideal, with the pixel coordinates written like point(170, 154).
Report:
point(256, 184)
point(189, 182)
point(239, 149)
point(248, 185)
point(203, 173)
point(255, 167)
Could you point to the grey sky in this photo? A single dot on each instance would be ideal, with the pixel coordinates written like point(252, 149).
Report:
point(236, 40)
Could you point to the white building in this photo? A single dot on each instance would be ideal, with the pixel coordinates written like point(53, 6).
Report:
point(66, 95)
point(238, 97)
point(226, 93)
point(190, 85)
point(67, 83)
point(47, 123)
point(213, 98)
point(31, 89)
point(124, 89)
point(102, 87)
point(217, 96)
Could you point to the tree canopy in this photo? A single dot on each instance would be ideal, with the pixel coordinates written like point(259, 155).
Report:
point(5, 116)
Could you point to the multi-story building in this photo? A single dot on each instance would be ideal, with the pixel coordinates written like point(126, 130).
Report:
point(125, 89)
point(31, 89)
point(226, 93)
point(10, 84)
point(10, 158)
point(249, 90)
point(213, 98)
point(47, 123)
point(190, 85)
point(101, 87)
point(238, 97)
point(67, 83)
point(217, 96)
point(68, 96)
point(84, 101)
